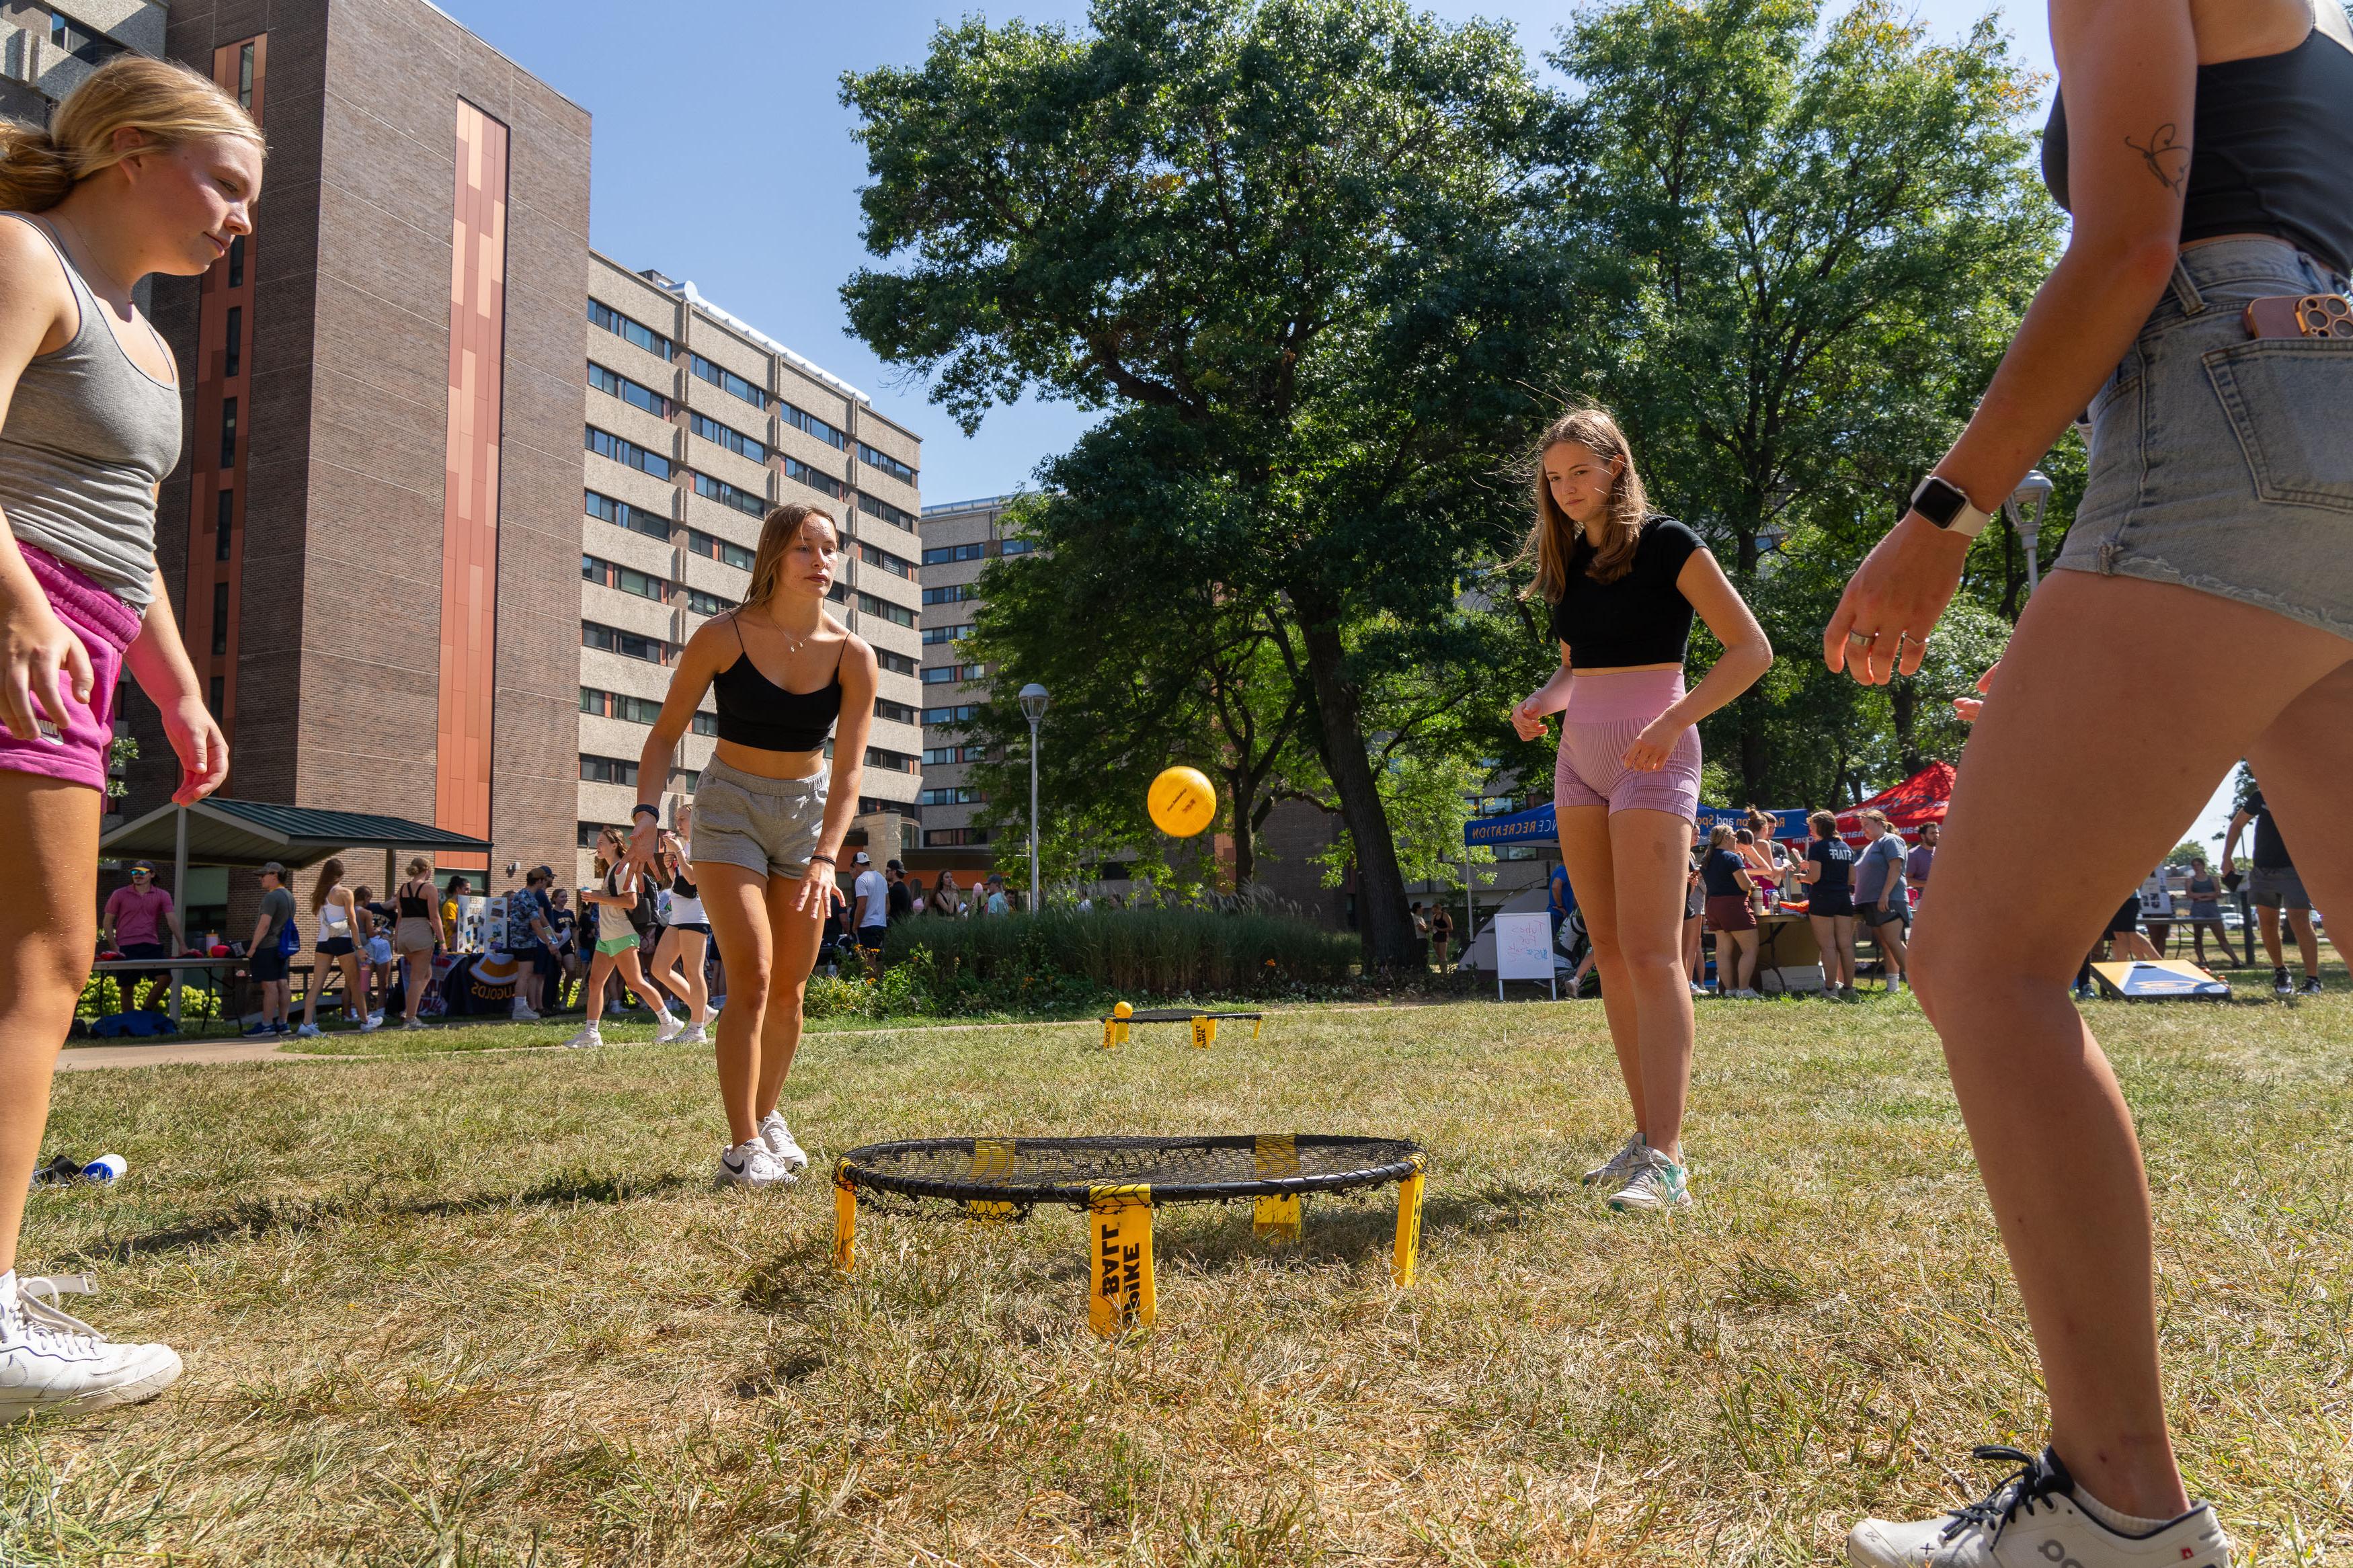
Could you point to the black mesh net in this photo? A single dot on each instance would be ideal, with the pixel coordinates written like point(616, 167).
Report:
point(1020, 1173)
point(1173, 1015)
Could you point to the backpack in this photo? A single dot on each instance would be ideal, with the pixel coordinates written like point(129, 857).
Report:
point(290, 936)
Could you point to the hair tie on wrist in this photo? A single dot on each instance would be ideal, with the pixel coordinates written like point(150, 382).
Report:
point(826, 858)
point(641, 809)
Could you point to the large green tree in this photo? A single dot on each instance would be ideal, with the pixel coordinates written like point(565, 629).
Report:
point(1284, 244)
point(1801, 248)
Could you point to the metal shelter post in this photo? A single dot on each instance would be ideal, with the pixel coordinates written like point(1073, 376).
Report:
point(179, 896)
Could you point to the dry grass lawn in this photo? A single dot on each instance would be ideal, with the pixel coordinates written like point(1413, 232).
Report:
point(470, 1308)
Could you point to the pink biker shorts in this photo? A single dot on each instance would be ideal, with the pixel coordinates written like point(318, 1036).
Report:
point(106, 626)
point(1605, 713)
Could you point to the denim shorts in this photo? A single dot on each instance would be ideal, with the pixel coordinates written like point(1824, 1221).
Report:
point(2219, 461)
point(766, 825)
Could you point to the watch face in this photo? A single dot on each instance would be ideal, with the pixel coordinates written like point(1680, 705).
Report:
point(1939, 502)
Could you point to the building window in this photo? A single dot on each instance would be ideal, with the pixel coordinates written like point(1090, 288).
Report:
point(896, 663)
point(801, 472)
point(589, 833)
point(606, 769)
point(612, 639)
point(233, 356)
point(704, 604)
point(897, 712)
point(96, 49)
point(897, 566)
point(953, 594)
point(237, 245)
point(869, 605)
point(645, 337)
point(953, 794)
point(220, 617)
point(890, 514)
point(800, 419)
point(886, 462)
point(941, 555)
point(890, 761)
point(705, 723)
point(628, 579)
point(604, 443)
point(718, 549)
point(686, 780)
point(1016, 546)
point(593, 701)
point(728, 382)
point(229, 433)
point(224, 508)
point(947, 756)
point(725, 494)
point(243, 92)
point(620, 513)
point(942, 675)
point(947, 838)
point(633, 393)
point(962, 713)
point(727, 435)
point(947, 633)
point(216, 697)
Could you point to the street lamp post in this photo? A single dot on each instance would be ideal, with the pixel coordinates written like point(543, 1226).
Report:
point(1033, 708)
point(2025, 508)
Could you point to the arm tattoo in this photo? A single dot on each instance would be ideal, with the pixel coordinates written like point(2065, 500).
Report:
point(2167, 158)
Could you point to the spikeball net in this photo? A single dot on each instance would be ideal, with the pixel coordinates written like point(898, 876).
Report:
point(1204, 1022)
point(1119, 1182)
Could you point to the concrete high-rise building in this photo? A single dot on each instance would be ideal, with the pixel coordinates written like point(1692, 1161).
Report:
point(45, 52)
point(959, 538)
point(697, 425)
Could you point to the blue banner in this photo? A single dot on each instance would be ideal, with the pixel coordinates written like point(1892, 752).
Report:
point(1537, 825)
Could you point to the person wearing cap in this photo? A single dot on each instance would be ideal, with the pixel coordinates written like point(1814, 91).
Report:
point(871, 917)
point(264, 961)
point(136, 918)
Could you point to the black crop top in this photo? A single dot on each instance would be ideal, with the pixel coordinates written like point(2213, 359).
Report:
point(1642, 617)
point(755, 711)
point(2270, 143)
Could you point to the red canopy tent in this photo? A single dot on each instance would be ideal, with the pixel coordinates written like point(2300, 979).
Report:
point(1921, 799)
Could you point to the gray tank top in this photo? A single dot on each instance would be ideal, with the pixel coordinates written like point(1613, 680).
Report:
point(88, 436)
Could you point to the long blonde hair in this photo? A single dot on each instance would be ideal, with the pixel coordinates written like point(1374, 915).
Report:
point(169, 104)
point(777, 535)
point(1553, 538)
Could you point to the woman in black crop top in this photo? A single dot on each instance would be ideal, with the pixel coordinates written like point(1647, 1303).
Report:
point(2205, 151)
point(770, 812)
point(1624, 583)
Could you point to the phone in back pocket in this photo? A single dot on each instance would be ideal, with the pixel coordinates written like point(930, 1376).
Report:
point(2300, 316)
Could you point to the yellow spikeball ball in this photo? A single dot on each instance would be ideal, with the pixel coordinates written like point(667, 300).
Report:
point(1122, 1010)
point(1182, 802)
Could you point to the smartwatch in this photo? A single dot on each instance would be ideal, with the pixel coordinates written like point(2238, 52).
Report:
point(1947, 505)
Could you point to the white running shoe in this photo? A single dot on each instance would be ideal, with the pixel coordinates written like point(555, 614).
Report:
point(690, 1035)
point(1745, 995)
point(307, 1032)
point(587, 1037)
point(669, 1027)
point(411, 1023)
point(749, 1164)
point(372, 1022)
point(1655, 1182)
point(52, 1361)
point(777, 1139)
point(2032, 1521)
point(522, 1015)
point(1615, 1169)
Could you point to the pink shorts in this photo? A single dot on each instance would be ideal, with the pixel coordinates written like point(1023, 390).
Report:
point(1605, 713)
point(106, 626)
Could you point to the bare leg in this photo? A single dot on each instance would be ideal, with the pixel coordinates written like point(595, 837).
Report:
point(1744, 942)
point(2307, 945)
point(2044, 1114)
point(417, 974)
point(600, 970)
point(1728, 966)
point(2302, 759)
point(1895, 959)
point(735, 900)
point(1584, 849)
point(1691, 948)
point(1650, 854)
point(2267, 922)
point(795, 936)
point(49, 929)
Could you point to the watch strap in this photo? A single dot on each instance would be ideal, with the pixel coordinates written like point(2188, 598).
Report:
point(1947, 506)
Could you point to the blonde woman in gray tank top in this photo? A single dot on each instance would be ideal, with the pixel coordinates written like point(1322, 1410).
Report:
point(148, 168)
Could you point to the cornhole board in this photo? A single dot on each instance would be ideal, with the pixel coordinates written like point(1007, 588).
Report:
point(2168, 980)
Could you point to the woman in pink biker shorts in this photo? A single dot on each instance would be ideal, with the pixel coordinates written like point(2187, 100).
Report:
point(1624, 583)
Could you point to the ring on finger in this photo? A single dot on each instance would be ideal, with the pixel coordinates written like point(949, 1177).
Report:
point(1862, 639)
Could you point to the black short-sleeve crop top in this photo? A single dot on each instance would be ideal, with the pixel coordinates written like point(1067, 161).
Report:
point(1640, 619)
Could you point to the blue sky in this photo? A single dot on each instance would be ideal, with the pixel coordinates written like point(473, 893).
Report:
point(736, 168)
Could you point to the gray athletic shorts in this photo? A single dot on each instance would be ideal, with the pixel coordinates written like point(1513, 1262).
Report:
point(2276, 887)
point(767, 825)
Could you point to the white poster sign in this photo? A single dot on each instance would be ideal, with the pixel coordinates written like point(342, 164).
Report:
point(1523, 950)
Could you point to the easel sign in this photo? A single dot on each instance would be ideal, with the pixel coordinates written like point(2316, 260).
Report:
point(1524, 951)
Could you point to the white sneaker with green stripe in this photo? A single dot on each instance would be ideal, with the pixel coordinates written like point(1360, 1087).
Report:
point(1655, 1182)
point(1619, 1166)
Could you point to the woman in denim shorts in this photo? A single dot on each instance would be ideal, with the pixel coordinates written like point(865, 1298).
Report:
point(2206, 154)
point(770, 812)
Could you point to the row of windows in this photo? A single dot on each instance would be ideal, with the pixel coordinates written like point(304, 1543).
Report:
point(897, 712)
point(826, 483)
point(719, 549)
point(953, 794)
point(897, 663)
point(890, 761)
point(621, 771)
point(725, 494)
point(869, 605)
point(727, 381)
point(898, 566)
point(636, 393)
point(874, 506)
point(948, 837)
point(953, 594)
point(727, 435)
point(603, 315)
point(801, 419)
point(637, 709)
point(628, 579)
point(886, 462)
point(947, 633)
point(629, 645)
point(942, 674)
point(942, 756)
point(636, 518)
point(940, 555)
point(962, 713)
point(606, 444)
point(1016, 546)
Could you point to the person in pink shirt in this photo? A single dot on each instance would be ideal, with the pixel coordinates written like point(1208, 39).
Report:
point(137, 917)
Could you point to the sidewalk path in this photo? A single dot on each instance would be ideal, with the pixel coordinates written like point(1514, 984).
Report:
point(177, 1053)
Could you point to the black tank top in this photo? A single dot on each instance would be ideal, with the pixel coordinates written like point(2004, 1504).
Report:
point(755, 711)
point(412, 906)
point(2270, 150)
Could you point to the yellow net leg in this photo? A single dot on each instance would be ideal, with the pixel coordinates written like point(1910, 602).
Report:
point(1114, 1033)
point(1276, 1217)
point(1255, 1024)
point(1205, 1030)
point(992, 1161)
point(1408, 1227)
point(845, 1225)
point(1119, 1231)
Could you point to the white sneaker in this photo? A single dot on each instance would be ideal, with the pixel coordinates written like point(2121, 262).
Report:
point(669, 1027)
point(307, 1032)
point(690, 1035)
point(1615, 1169)
point(777, 1139)
point(372, 1022)
point(587, 1037)
point(1656, 1182)
point(749, 1164)
point(1744, 995)
point(51, 1361)
point(2032, 1521)
point(522, 1015)
point(411, 1023)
